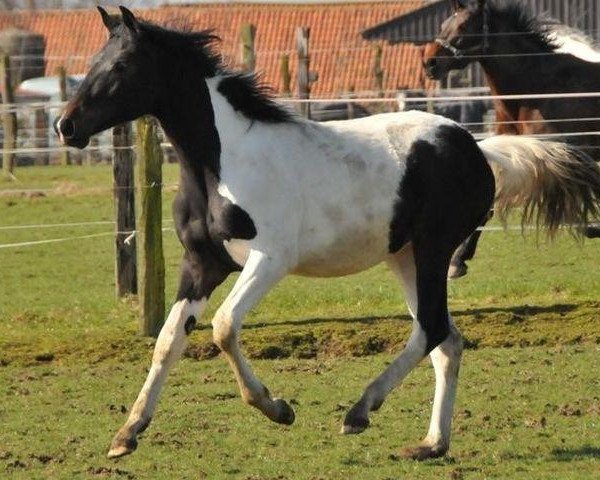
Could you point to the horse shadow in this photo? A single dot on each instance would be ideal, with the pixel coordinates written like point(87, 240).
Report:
point(571, 454)
point(529, 310)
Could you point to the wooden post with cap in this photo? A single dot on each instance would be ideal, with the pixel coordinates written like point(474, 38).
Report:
point(248, 35)
point(302, 36)
point(9, 119)
point(151, 263)
point(124, 197)
point(65, 156)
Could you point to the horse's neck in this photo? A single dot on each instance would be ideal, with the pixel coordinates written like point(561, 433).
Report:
point(188, 118)
point(509, 73)
point(230, 124)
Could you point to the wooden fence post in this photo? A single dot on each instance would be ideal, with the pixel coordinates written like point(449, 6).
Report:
point(40, 128)
point(286, 77)
point(64, 156)
point(9, 119)
point(151, 276)
point(124, 195)
point(378, 74)
point(302, 35)
point(350, 105)
point(248, 34)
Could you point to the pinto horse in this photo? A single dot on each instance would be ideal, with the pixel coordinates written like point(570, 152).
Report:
point(522, 54)
point(269, 194)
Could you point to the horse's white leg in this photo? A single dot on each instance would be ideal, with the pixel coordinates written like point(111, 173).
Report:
point(169, 347)
point(357, 419)
point(261, 272)
point(445, 358)
point(446, 363)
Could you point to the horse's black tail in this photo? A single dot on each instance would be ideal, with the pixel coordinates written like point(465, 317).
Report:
point(555, 184)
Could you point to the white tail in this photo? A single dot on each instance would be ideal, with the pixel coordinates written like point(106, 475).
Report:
point(553, 182)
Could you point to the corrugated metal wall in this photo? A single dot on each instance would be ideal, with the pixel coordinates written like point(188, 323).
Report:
point(581, 14)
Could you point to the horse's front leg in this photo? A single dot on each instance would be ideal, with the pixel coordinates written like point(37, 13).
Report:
point(197, 282)
point(259, 275)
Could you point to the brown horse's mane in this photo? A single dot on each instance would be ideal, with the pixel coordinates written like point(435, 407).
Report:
point(541, 30)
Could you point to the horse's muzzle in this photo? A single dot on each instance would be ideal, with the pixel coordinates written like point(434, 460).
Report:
point(67, 132)
point(432, 69)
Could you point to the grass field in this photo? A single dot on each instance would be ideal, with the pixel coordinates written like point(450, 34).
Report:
point(71, 362)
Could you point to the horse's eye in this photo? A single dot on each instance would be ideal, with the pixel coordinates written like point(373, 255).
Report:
point(119, 67)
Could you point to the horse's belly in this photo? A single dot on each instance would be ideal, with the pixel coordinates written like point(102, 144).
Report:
point(347, 254)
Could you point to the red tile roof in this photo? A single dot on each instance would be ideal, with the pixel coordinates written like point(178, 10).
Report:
point(342, 59)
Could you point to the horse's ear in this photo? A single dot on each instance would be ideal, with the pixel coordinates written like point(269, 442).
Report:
point(109, 21)
point(456, 5)
point(129, 19)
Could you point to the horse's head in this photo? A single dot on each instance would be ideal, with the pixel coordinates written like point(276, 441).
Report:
point(462, 39)
point(121, 84)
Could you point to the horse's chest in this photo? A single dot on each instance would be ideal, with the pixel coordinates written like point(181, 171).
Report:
point(213, 221)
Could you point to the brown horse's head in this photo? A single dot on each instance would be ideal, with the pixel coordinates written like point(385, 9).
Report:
point(462, 39)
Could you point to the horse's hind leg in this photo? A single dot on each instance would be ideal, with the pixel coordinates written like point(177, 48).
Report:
point(446, 362)
point(466, 251)
point(403, 264)
point(432, 332)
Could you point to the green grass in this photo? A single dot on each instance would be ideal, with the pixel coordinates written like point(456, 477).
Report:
point(70, 360)
point(514, 419)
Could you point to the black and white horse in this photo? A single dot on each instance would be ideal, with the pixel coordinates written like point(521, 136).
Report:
point(269, 194)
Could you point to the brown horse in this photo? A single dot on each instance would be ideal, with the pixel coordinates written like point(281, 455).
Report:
point(521, 54)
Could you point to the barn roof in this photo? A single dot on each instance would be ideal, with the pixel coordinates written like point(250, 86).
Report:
point(417, 26)
point(340, 56)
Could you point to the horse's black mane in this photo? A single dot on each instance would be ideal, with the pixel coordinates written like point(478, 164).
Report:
point(521, 19)
point(244, 91)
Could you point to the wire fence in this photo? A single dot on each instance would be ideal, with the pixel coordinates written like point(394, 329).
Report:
point(131, 233)
point(30, 134)
point(36, 135)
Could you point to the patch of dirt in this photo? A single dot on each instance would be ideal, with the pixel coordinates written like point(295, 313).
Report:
point(44, 357)
point(45, 459)
point(202, 351)
point(5, 454)
point(536, 422)
point(223, 396)
point(16, 464)
point(269, 352)
point(567, 410)
point(103, 472)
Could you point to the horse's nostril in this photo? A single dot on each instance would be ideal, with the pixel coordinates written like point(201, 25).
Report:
point(66, 127)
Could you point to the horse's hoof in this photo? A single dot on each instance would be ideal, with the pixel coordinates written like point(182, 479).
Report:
point(422, 452)
point(457, 271)
point(286, 415)
point(592, 232)
point(354, 423)
point(121, 446)
point(354, 429)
